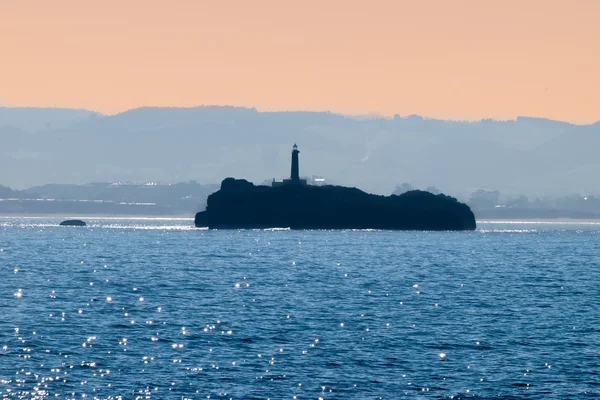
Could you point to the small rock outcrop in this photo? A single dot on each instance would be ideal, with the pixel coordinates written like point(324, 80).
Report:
point(239, 204)
point(73, 222)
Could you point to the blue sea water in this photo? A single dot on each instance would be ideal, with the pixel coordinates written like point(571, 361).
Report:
point(154, 309)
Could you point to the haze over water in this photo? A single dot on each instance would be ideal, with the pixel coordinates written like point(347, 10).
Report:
point(155, 309)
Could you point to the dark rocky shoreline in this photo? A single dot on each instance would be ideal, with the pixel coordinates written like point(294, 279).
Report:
point(240, 204)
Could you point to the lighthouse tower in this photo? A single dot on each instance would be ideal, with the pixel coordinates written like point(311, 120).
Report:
point(295, 176)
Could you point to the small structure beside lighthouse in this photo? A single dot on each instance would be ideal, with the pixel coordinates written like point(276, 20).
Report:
point(294, 178)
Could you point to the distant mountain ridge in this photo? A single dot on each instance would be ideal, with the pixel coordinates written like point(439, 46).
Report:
point(524, 155)
point(31, 119)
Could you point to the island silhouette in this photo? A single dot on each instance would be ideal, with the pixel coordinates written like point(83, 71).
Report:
point(73, 222)
point(292, 203)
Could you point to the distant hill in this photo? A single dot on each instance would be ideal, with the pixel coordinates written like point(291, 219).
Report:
point(525, 155)
point(31, 119)
point(184, 198)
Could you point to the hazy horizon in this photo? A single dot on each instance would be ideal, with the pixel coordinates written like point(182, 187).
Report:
point(526, 155)
point(359, 116)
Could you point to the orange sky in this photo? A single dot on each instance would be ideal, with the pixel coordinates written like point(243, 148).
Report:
point(458, 59)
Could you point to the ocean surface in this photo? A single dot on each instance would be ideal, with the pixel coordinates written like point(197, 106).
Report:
point(155, 309)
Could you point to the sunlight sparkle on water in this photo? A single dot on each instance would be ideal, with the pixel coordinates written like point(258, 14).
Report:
point(189, 272)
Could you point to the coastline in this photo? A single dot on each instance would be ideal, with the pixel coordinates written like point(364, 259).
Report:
point(541, 221)
point(100, 216)
point(482, 224)
point(186, 217)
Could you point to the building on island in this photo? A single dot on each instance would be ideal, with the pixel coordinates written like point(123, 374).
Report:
point(294, 178)
point(318, 181)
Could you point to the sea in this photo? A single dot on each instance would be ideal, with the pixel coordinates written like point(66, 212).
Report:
point(151, 308)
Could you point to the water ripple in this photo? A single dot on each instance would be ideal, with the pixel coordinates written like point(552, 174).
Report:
point(157, 309)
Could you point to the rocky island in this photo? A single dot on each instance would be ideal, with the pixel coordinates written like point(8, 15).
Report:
point(73, 222)
point(291, 203)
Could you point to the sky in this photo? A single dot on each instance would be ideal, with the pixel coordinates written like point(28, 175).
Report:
point(460, 59)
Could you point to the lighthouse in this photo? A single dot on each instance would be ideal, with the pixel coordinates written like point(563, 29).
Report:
point(294, 178)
